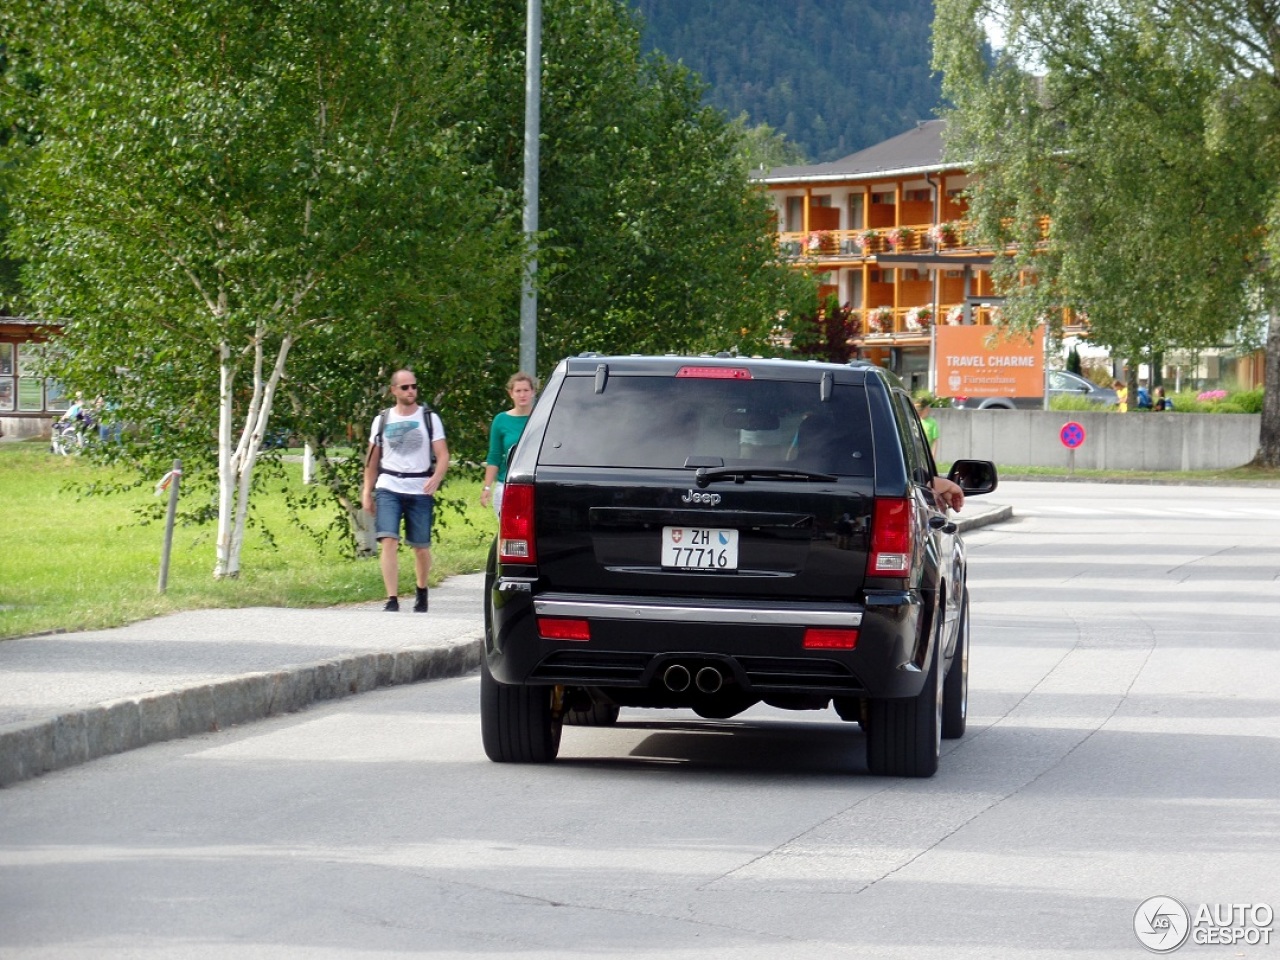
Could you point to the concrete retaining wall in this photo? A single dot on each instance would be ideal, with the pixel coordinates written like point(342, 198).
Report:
point(1113, 441)
point(22, 428)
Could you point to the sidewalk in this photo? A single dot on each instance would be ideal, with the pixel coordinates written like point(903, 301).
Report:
point(71, 697)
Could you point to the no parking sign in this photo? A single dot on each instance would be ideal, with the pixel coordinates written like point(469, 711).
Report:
point(1071, 435)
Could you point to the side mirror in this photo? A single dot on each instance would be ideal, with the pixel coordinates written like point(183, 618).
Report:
point(974, 476)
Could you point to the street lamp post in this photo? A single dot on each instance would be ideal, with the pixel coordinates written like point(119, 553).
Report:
point(532, 122)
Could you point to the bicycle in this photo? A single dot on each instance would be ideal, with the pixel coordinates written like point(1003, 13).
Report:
point(68, 437)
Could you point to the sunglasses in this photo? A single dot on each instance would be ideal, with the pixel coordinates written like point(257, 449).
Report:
point(407, 386)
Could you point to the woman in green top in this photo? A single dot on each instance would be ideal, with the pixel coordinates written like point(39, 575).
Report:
point(503, 434)
point(930, 425)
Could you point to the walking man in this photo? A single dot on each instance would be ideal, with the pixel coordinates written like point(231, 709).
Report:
point(407, 460)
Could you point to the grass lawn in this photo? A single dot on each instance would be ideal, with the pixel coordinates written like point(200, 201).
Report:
point(71, 562)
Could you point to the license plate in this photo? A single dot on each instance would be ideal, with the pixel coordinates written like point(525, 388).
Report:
point(699, 548)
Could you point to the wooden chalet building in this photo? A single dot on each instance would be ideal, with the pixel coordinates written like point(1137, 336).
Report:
point(885, 231)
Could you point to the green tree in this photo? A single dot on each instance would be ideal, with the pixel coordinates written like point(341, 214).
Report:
point(761, 147)
point(1073, 362)
point(13, 134)
point(238, 198)
point(1147, 133)
point(655, 240)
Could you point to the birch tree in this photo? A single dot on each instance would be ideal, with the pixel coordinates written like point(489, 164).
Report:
point(219, 180)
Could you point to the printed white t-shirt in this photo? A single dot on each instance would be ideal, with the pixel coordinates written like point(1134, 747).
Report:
point(405, 449)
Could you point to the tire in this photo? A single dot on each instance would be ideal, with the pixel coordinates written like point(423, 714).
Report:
point(848, 709)
point(518, 724)
point(955, 689)
point(596, 715)
point(904, 735)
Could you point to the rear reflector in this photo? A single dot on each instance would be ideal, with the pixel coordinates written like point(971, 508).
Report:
point(557, 628)
point(515, 526)
point(827, 639)
point(714, 373)
point(890, 538)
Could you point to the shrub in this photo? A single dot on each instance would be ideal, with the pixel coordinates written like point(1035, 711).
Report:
point(1218, 401)
point(1186, 402)
point(1075, 403)
point(1250, 401)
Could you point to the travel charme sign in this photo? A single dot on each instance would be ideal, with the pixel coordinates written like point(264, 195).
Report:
point(981, 361)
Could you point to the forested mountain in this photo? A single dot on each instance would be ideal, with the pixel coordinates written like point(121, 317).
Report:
point(833, 75)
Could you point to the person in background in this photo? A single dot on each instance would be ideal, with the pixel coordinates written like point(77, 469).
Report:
point(1160, 401)
point(1122, 394)
point(108, 428)
point(77, 413)
point(504, 432)
point(407, 460)
point(1144, 397)
point(929, 423)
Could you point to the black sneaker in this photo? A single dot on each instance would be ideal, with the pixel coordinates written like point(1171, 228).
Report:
point(392, 605)
point(420, 604)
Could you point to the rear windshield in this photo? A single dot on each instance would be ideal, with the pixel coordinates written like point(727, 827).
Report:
point(670, 423)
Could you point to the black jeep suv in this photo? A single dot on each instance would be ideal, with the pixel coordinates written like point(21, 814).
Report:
point(710, 533)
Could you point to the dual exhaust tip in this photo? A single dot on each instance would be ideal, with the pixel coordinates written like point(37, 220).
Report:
point(677, 678)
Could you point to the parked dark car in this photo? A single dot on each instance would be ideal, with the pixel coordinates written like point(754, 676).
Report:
point(1061, 384)
point(710, 533)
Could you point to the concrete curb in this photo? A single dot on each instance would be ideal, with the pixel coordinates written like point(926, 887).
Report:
point(40, 746)
point(984, 519)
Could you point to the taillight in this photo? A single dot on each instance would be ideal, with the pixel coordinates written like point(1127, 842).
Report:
point(822, 638)
point(561, 628)
point(891, 530)
point(515, 526)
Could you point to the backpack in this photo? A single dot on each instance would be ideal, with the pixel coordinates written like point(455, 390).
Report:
point(426, 412)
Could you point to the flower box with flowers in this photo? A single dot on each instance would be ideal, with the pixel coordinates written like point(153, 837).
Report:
point(820, 243)
point(902, 238)
point(880, 321)
point(869, 242)
point(955, 316)
point(944, 235)
point(919, 318)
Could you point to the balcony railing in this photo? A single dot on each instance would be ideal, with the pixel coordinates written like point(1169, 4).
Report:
point(862, 244)
point(892, 325)
point(915, 321)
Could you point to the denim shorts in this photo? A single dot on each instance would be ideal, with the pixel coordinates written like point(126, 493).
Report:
point(416, 508)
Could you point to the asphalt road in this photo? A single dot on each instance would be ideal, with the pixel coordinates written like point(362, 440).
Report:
point(1124, 743)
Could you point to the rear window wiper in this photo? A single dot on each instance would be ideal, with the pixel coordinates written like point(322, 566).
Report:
point(741, 474)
